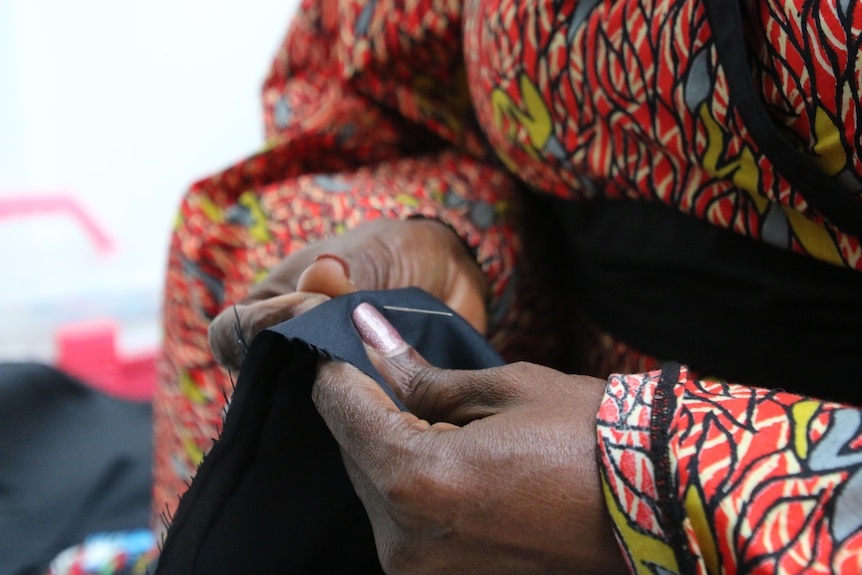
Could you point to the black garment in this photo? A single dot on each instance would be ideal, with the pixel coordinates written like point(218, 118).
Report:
point(73, 462)
point(725, 305)
point(272, 496)
point(679, 288)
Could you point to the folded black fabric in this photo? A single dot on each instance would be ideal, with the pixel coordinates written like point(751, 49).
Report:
point(73, 462)
point(273, 495)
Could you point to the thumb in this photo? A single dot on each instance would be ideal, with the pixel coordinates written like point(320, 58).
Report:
point(328, 274)
point(431, 393)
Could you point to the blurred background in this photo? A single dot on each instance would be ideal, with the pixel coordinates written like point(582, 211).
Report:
point(108, 111)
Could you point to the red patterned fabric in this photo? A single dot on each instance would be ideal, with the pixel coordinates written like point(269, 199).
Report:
point(380, 108)
point(722, 478)
point(626, 99)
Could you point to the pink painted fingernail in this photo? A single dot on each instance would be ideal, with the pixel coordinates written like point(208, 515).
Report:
point(376, 332)
point(337, 259)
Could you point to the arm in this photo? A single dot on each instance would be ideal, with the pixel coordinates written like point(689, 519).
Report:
point(496, 469)
point(702, 476)
point(491, 471)
point(335, 159)
point(364, 124)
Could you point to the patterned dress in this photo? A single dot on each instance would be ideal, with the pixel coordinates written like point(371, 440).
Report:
point(385, 108)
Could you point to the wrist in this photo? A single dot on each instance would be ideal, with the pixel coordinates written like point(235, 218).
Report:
point(605, 556)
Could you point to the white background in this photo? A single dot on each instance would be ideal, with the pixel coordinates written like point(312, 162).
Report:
point(121, 105)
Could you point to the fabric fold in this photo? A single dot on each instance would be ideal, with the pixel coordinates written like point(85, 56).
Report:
point(273, 494)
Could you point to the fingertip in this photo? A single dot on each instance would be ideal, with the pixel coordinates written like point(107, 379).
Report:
point(232, 331)
point(376, 332)
point(332, 257)
point(226, 340)
point(329, 274)
point(393, 358)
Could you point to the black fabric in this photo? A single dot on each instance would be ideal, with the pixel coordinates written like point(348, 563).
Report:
point(272, 496)
point(683, 290)
point(825, 194)
point(73, 462)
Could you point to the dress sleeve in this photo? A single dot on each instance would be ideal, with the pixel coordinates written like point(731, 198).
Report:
point(711, 477)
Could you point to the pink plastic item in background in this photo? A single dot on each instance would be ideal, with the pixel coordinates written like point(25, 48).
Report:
point(20, 206)
point(88, 350)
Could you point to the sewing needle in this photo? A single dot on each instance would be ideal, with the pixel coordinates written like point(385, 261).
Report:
point(414, 310)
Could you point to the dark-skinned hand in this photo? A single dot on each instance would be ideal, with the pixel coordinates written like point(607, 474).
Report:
point(491, 471)
point(380, 254)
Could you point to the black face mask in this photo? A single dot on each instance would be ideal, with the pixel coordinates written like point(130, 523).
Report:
point(272, 496)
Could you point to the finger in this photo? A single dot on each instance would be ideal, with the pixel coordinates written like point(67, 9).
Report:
point(233, 330)
point(468, 301)
point(329, 274)
point(434, 394)
point(364, 254)
point(365, 422)
point(383, 254)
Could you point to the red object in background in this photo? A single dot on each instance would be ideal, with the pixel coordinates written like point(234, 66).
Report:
point(24, 205)
point(88, 351)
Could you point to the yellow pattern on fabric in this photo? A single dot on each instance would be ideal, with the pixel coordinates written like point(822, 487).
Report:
point(741, 170)
point(191, 390)
point(212, 212)
point(829, 151)
point(696, 511)
point(535, 117)
point(813, 237)
point(503, 209)
point(802, 412)
point(744, 173)
point(179, 220)
point(407, 200)
point(643, 549)
point(194, 453)
point(258, 230)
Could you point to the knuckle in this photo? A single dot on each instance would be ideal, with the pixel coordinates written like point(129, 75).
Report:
point(519, 369)
point(223, 340)
point(517, 377)
point(329, 378)
point(435, 391)
point(426, 387)
point(418, 379)
point(373, 262)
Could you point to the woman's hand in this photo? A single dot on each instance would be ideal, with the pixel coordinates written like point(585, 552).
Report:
point(380, 254)
point(492, 471)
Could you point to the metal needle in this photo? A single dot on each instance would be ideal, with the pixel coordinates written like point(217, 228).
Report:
point(414, 310)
